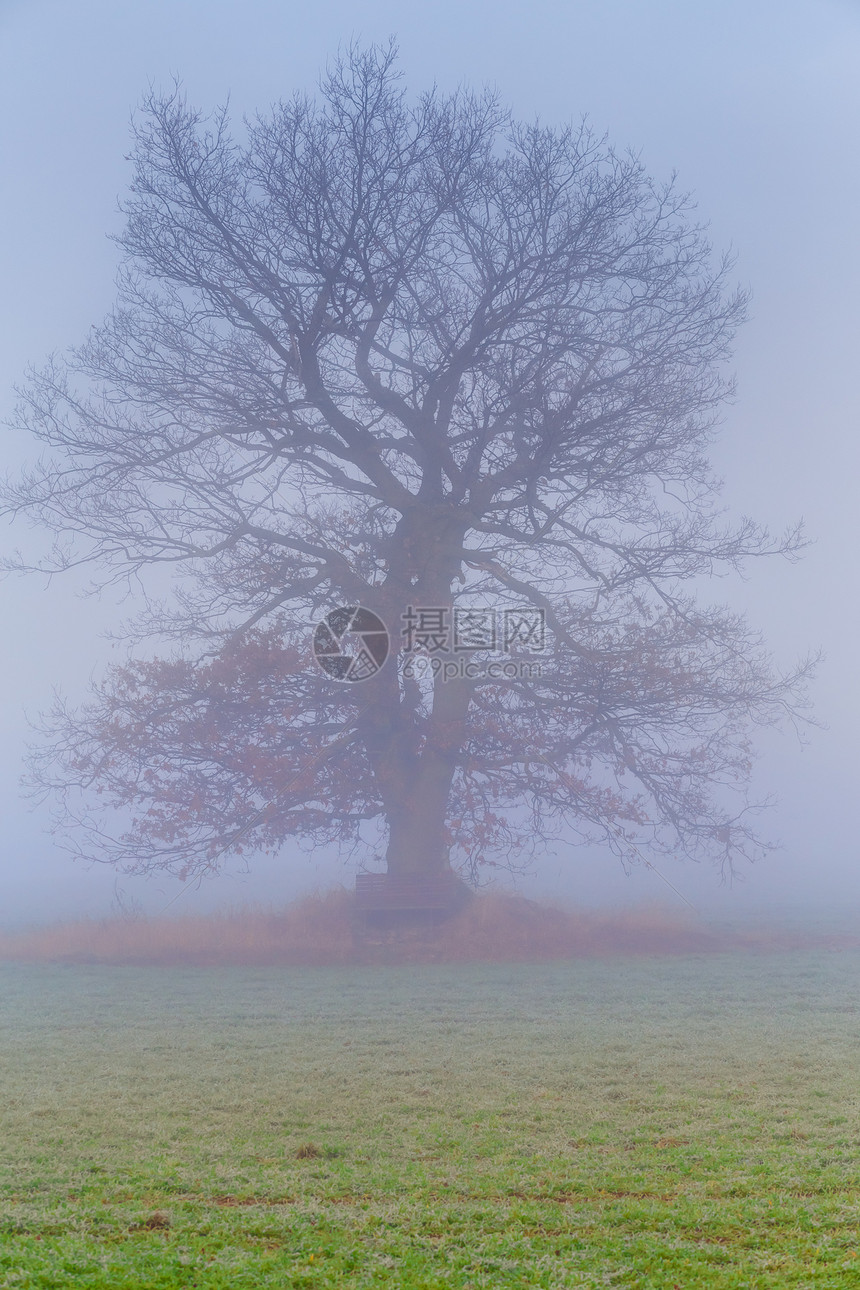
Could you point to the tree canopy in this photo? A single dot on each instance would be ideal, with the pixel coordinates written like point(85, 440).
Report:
point(404, 353)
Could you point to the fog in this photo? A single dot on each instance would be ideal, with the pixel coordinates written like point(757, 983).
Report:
point(754, 104)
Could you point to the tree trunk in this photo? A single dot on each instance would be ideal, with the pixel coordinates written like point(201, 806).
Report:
point(418, 845)
point(415, 778)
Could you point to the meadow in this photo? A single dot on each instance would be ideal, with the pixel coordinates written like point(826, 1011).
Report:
point(653, 1121)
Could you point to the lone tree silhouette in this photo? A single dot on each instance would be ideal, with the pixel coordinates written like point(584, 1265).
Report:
point(414, 356)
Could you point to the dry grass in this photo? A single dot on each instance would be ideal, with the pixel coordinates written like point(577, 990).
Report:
point(157, 1222)
point(314, 931)
point(322, 930)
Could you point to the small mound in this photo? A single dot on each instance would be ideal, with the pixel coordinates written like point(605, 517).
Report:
point(500, 925)
point(325, 930)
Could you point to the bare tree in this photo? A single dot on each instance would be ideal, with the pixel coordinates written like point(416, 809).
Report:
point(410, 356)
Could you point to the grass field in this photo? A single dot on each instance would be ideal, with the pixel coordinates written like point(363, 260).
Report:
point(686, 1121)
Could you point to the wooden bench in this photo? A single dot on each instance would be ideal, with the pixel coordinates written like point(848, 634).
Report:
point(381, 897)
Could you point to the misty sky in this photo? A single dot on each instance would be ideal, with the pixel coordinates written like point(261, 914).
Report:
point(756, 104)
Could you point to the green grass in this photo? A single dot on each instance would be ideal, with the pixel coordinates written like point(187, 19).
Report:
point(639, 1122)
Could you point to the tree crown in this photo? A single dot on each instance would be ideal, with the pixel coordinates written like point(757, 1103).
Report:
point(390, 352)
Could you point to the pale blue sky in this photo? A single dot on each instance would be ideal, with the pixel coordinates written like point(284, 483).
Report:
point(755, 104)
